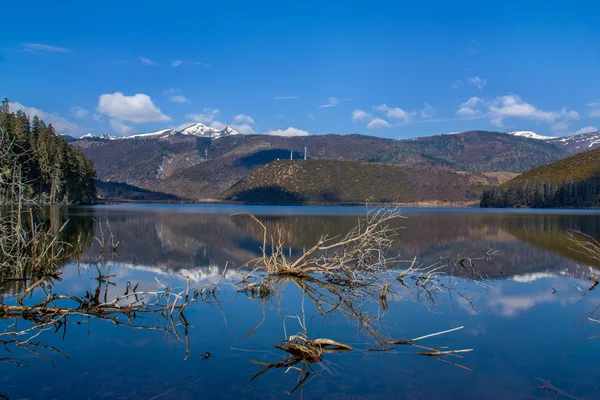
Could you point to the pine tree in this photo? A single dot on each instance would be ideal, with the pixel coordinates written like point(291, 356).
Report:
point(33, 153)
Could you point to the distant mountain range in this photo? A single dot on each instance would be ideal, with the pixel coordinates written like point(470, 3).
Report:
point(200, 162)
point(572, 144)
point(198, 130)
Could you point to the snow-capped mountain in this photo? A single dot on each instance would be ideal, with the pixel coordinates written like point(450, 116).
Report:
point(91, 136)
point(573, 144)
point(530, 135)
point(578, 143)
point(202, 130)
point(106, 136)
point(160, 133)
point(197, 129)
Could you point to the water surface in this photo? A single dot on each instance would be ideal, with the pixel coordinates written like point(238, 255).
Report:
point(525, 312)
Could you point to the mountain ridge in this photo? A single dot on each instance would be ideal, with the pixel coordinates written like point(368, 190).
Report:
point(200, 168)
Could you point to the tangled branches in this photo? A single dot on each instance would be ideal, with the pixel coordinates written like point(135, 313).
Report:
point(361, 252)
point(54, 312)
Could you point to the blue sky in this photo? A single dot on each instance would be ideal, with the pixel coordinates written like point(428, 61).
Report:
point(388, 68)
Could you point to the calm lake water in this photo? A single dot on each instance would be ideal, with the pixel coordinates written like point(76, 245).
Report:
point(525, 311)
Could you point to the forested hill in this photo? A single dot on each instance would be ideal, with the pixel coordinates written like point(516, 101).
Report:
point(337, 181)
point(36, 163)
point(571, 182)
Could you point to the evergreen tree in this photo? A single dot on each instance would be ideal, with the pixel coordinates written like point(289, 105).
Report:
point(32, 153)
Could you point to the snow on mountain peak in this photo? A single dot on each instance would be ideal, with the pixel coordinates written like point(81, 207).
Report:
point(88, 136)
point(529, 135)
point(160, 133)
point(228, 131)
point(199, 129)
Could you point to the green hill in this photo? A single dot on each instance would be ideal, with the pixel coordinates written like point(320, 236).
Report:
point(337, 181)
point(571, 182)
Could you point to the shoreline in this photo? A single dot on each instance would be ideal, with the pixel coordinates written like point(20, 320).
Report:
point(424, 204)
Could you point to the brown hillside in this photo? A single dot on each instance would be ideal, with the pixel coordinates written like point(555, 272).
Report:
point(336, 181)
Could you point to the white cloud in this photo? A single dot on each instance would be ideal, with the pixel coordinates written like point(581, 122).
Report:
point(171, 91)
point(60, 124)
point(98, 117)
point(332, 101)
point(243, 119)
point(79, 112)
point(560, 127)
point(359, 115)
point(147, 61)
point(594, 109)
point(309, 115)
point(394, 112)
point(218, 125)
point(120, 127)
point(470, 107)
point(587, 129)
point(178, 99)
point(245, 129)
point(178, 63)
point(207, 115)
point(512, 106)
point(378, 124)
point(478, 82)
point(569, 114)
point(286, 98)
point(44, 48)
point(137, 108)
point(428, 111)
point(456, 84)
point(291, 131)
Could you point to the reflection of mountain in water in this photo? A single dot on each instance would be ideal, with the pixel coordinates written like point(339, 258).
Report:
point(172, 241)
point(548, 232)
point(176, 240)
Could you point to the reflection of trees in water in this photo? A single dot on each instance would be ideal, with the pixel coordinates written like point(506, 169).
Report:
point(172, 240)
point(179, 240)
point(53, 234)
point(429, 237)
point(549, 232)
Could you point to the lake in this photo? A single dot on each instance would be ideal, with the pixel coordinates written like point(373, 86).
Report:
point(521, 295)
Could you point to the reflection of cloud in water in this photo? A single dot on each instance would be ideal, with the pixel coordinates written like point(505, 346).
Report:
point(510, 298)
point(528, 278)
point(212, 273)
